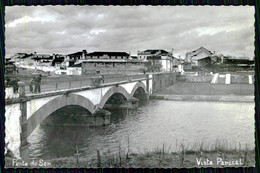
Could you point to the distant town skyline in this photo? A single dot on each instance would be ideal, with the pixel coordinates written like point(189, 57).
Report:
point(67, 29)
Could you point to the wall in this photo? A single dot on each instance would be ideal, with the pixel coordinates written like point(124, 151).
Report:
point(163, 80)
point(241, 79)
point(204, 61)
point(199, 79)
point(106, 57)
point(9, 93)
point(112, 68)
point(12, 128)
point(235, 79)
point(166, 65)
point(74, 70)
point(200, 55)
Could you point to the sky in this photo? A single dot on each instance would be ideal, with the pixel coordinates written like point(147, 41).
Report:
point(227, 30)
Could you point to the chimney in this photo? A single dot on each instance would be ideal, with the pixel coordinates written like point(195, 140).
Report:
point(84, 54)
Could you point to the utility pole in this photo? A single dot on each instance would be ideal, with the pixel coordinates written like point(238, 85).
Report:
point(171, 60)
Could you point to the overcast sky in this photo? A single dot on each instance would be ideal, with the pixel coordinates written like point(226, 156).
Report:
point(67, 29)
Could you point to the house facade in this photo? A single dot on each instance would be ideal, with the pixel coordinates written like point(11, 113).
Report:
point(157, 57)
point(23, 60)
point(111, 63)
point(199, 57)
point(71, 59)
point(10, 68)
point(108, 55)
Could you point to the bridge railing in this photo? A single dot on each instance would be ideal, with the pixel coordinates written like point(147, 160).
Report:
point(48, 85)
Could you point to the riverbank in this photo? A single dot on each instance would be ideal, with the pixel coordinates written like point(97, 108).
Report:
point(224, 98)
point(190, 159)
point(155, 159)
point(183, 88)
point(215, 155)
point(182, 91)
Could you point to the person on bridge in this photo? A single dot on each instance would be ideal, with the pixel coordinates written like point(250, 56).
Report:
point(32, 81)
point(14, 84)
point(102, 78)
point(7, 82)
point(37, 82)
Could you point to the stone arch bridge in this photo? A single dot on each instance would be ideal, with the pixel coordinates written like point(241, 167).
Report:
point(25, 113)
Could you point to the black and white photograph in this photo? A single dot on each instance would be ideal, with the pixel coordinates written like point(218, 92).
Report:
point(129, 86)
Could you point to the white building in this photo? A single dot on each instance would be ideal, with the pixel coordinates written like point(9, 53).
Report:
point(166, 59)
point(197, 55)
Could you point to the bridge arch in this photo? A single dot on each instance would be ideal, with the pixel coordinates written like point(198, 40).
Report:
point(138, 85)
point(110, 92)
point(55, 104)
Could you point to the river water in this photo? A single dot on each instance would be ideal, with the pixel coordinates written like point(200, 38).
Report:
point(154, 124)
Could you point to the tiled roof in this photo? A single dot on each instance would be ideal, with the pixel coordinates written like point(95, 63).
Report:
point(108, 53)
point(25, 56)
point(154, 51)
point(197, 51)
point(48, 57)
point(75, 54)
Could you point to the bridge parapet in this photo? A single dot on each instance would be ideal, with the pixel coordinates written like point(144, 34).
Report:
point(9, 93)
point(28, 97)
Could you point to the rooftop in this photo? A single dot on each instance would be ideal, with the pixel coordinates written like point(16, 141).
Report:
point(108, 53)
point(111, 60)
point(75, 54)
point(154, 51)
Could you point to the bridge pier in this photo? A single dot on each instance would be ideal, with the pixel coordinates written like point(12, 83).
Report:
point(24, 145)
point(131, 103)
point(100, 117)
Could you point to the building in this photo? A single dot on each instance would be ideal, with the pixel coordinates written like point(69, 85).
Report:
point(108, 55)
point(159, 60)
point(199, 57)
point(239, 63)
point(74, 57)
point(10, 68)
point(111, 63)
point(23, 59)
point(58, 60)
point(102, 66)
point(43, 59)
point(76, 69)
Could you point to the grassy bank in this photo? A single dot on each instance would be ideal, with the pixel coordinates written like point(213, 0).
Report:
point(217, 154)
point(159, 159)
